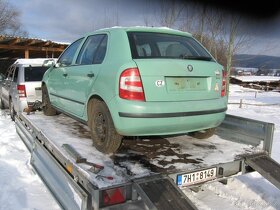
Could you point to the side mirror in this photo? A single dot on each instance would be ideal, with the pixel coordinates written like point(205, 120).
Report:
point(49, 62)
point(57, 65)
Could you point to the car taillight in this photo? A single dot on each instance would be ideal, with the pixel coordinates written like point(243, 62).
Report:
point(224, 84)
point(130, 85)
point(113, 196)
point(21, 91)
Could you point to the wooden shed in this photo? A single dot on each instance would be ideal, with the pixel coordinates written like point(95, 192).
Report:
point(12, 48)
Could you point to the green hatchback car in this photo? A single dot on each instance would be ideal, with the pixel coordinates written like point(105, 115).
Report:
point(137, 81)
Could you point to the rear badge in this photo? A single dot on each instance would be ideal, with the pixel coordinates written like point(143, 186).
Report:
point(160, 83)
point(217, 87)
point(190, 68)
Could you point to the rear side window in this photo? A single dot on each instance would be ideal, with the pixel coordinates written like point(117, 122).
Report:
point(93, 50)
point(34, 73)
point(15, 74)
point(159, 45)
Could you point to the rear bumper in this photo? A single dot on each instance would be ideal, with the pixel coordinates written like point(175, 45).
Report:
point(172, 114)
point(166, 118)
point(20, 105)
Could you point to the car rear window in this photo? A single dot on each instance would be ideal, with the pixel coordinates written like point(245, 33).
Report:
point(34, 73)
point(160, 45)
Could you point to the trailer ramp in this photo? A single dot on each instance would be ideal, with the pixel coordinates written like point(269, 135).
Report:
point(161, 193)
point(266, 166)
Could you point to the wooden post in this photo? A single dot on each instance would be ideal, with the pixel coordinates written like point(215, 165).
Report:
point(241, 102)
point(26, 54)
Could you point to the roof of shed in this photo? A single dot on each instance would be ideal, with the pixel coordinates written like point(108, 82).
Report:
point(15, 47)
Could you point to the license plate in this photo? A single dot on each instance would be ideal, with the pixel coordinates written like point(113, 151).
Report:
point(184, 180)
point(186, 84)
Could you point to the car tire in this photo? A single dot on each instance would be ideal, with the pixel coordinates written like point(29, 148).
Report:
point(12, 110)
point(103, 133)
point(2, 106)
point(203, 134)
point(46, 104)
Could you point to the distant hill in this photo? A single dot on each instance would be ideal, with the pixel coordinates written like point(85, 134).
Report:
point(257, 61)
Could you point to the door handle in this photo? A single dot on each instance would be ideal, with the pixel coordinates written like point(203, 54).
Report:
point(65, 74)
point(90, 75)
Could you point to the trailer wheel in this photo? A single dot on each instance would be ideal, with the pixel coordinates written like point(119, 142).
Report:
point(103, 133)
point(12, 110)
point(204, 134)
point(46, 104)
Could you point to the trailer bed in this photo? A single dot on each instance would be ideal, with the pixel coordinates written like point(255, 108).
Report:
point(140, 157)
point(80, 177)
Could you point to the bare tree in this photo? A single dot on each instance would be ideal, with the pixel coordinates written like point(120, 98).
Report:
point(9, 20)
point(188, 21)
point(215, 26)
point(170, 12)
point(147, 19)
point(109, 19)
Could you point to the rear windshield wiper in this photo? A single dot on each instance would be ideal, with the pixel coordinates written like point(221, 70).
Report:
point(192, 57)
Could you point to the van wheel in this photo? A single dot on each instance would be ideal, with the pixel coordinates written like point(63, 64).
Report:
point(12, 110)
point(2, 106)
point(103, 133)
point(204, 134)
point(46, 104)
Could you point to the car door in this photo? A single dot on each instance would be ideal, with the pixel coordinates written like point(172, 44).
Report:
point(57, 76)
point(7, 84)
point(81, 76)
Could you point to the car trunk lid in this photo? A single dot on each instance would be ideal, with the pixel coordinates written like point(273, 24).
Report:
point(180, 79)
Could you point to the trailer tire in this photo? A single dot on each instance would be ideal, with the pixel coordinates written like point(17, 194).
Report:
point(203, 134)
point(46, 104)
point(12, 110)
point(103, 133)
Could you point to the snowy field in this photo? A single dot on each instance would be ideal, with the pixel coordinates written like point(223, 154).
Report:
point(21, 188)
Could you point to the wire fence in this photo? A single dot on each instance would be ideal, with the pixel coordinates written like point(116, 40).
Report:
point(241, 103)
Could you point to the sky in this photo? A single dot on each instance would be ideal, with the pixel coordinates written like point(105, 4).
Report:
point(67, 20)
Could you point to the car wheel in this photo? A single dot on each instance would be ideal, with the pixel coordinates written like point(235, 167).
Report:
point(204, 134)
point(2, 106)
point(46, 104)
point(12, 110)
point(104, 135)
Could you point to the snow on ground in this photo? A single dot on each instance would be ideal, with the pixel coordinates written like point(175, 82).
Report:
point(21, 188)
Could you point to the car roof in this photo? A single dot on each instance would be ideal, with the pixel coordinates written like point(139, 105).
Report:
point(32, 61)
point(142, 29)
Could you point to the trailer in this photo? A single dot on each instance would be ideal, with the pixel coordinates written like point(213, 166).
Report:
point(147, 173)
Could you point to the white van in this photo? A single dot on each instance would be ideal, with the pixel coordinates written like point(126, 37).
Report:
point(22, 84)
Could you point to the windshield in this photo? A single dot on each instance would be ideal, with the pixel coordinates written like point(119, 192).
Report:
point(34, 73)
point(159, 45)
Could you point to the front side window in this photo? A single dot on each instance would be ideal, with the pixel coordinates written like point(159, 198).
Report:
point(34, 73)
point(93, 50)
point(68, 55)
point(160, 45)
point(10, 73)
